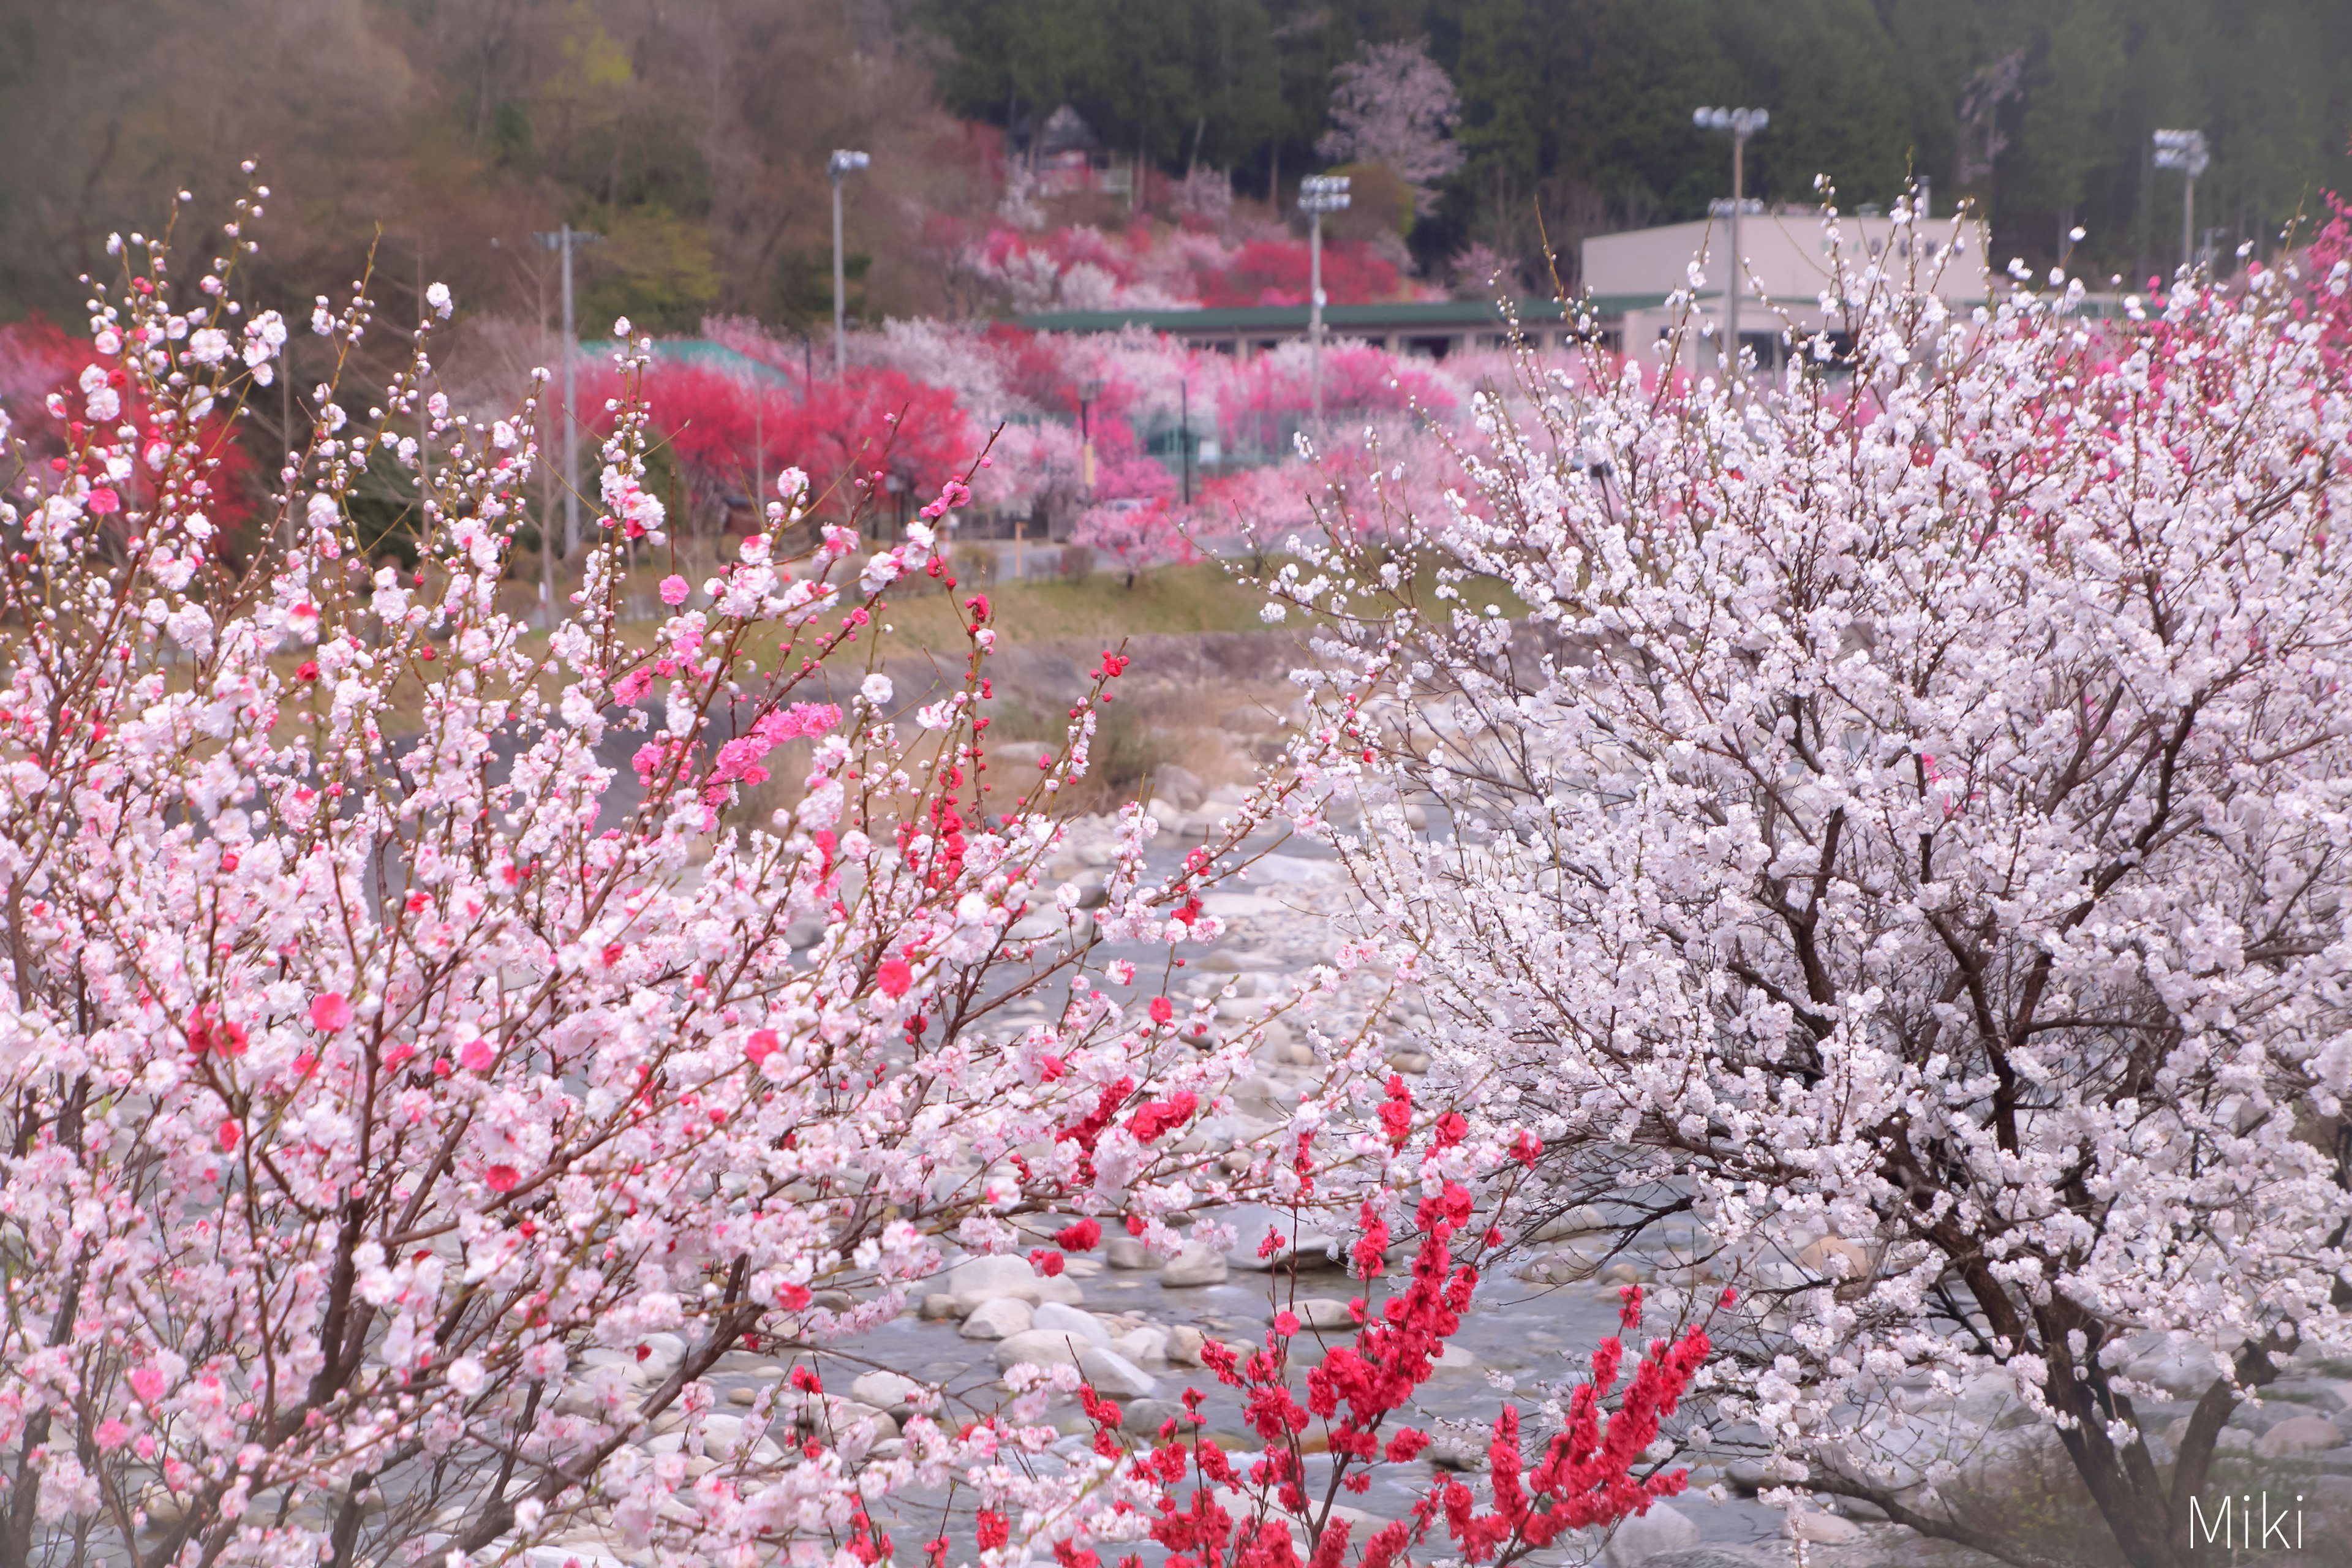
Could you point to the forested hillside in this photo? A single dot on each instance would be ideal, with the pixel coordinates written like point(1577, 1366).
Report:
point(1581, 108)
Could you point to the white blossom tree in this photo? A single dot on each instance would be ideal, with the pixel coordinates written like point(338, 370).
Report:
point(1910, 831)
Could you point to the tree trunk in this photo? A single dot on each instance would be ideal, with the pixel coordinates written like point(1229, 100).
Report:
point(2150, 1519)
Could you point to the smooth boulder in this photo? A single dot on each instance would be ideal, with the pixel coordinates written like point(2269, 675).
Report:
point(1324, 1312)
point(1143, 1345)
point(1823, 1528)
point(1076, 1321)
point(1311, 1249)
point(1039, 1347)
point(1195, 1265)
point(2299, 1435)
point(892, 1391)
point(1113, 1375)
point(999, 1319)
point(836, 1419)
point(989, 1278)
point(978, 1280)
point(1648, 1535)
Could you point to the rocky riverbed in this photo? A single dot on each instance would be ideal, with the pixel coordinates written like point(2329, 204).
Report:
point(1135, 1325)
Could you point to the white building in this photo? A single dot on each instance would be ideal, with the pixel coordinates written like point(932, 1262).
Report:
point(1791, 256)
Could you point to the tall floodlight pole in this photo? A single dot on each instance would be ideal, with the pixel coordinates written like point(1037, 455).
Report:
point(1087, 392)
point(840, 163)
point(563, 241)
point(1317, 194)
point(1742, 123)
point(2184, 151)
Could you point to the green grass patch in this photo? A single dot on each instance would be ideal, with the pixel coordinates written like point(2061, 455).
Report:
point(1169, 600)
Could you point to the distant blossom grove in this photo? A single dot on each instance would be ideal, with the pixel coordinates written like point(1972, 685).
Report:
point(922, 392)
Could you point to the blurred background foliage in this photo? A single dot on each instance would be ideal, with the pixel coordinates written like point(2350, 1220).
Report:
point(693, 132)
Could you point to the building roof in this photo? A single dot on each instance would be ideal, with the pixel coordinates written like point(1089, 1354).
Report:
point(1789, 257)
point(706, 354)
point(1067, 131)
point(1401, 316)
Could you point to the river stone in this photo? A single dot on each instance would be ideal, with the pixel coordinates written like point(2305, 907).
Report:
point(1456, 1449)
point(1144, 1417)
point(558, 1553)
point(836, 1418)
point(1823, 1528)
point(1112, 1373)
point(1647, 1535)
point(1184, 1342)
point(890, 1391)
point(2299, 1435)
point(1313, 1250)
point(649, 1358)
point(1126, 1252)
point(1039, 1347)
point(978, 1280)
point(2185, 1374)
point(1324, 1312)
point(999, 1319)
point(1195, 1265)
point(1834, 1257)
point(1180, 786)
point(1070, 1321)
point(1582, 1220)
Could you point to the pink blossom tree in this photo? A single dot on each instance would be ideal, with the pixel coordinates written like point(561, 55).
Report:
point(1907, 836)
point(410, 1104)
point(1393, 105)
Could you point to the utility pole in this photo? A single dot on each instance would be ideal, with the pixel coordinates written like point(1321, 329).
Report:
point(424, 431)
point(563, 241)
point(1317, 194)
point(1087, 392)
point(1742, 123)
point(841, 162)
point(2184, 151)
